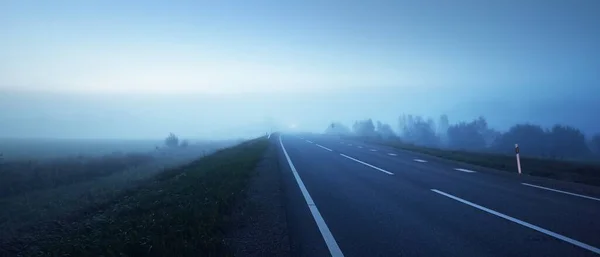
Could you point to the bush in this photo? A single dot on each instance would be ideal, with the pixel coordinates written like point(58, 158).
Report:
point(172, 140)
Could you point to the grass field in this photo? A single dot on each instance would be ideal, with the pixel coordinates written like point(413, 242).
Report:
point(579, 172)
point(44, 149)
point(177, 212)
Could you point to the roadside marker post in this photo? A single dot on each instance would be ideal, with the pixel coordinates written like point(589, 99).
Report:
point(518, 158)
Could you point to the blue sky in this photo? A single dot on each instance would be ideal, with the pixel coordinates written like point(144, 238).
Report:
point(507, 60)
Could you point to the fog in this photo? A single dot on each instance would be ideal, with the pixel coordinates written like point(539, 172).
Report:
point(229, 70)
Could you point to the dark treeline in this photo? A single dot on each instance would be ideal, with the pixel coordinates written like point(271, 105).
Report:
point(557, 142)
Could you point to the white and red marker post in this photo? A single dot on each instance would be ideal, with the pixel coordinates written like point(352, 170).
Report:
point(518, 158)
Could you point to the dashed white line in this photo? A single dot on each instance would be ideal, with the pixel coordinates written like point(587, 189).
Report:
point(366, 164)
point(523, 223)
point(564, 192)
point(332, 245)
point(392, 154)
point(465, 170)
point(309, 141)
point(349, 144)
point(373, 150)
point(360, 146)
point(324, 147)
point(419, 160)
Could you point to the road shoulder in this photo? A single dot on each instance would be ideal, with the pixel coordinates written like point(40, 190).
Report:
point(258, 225)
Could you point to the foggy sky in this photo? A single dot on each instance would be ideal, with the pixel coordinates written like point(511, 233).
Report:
point(106, 69)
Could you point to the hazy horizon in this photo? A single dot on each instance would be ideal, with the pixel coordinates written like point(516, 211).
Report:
point(139, 70)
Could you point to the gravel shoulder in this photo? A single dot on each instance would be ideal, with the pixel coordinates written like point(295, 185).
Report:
point(258, 225)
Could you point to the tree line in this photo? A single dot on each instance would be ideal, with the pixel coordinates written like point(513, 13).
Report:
point(558, 142)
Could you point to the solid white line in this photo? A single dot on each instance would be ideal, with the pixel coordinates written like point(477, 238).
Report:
point(332, 245)
point(465, 170)
point(373, 150)
point(419, 160)
point(523, 223)
point(564, 192)
point(324, 147)
point(309, 141)
point(366, 164)
point(392, 154)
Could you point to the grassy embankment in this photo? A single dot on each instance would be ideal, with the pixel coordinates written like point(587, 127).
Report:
point(580, 172)
point(179, 212)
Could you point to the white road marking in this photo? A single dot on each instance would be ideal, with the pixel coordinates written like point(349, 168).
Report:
point(564, 192)
point(392, 154)
point(324, 147)
point(366, 164)
point(523, 223)
point(465, 170)
point(419, 160)
point(309, 141)
point(269, 136)
point(332, 245)
point(359, 146)
point(349, 144)
point(373, 150)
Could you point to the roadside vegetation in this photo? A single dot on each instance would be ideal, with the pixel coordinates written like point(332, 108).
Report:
point(148, 204)
point(561, 152)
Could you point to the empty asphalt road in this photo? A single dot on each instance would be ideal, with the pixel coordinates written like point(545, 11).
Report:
point(348, 198)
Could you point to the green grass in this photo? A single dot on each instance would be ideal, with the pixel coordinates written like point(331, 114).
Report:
point(579, 172)
point(181, 212)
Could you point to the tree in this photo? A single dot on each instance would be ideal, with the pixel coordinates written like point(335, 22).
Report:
point(418, 131)
point(567, 142)
point(337, 129)
point(364, 128)
point(172, 140)
point(184, 143)
point(467, 136)
point(595, 143)
point(532, 140)
point(385, 130)
point(443, 124)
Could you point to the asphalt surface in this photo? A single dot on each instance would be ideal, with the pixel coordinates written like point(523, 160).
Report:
point(348, 198)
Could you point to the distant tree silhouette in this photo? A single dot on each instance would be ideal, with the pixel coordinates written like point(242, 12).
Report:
point(532, 140)
point(567, 142)
point(561, 141)
point(364, 128)
point(385, 131)
point(184, 143)
point(595, 143)
point(442, 129)
point(415, 129)
point(172, 140)
point(468, 136)
point(338, 129)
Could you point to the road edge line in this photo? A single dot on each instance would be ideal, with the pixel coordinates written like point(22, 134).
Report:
point(332, 245)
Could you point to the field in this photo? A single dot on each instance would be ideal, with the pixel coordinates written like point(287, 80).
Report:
point(46, 199)
point(579, 172)
point(43, 149)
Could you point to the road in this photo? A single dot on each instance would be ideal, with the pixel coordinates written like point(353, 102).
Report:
point(349, 198)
